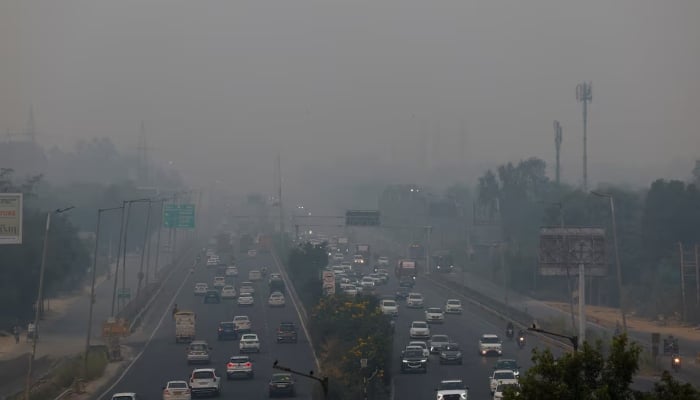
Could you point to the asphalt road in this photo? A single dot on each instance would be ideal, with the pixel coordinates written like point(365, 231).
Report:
point(464, 329)
point(162, 359)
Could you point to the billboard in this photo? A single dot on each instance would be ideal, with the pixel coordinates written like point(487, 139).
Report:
point(10, 218)
point(563, 249)
point(328, 283)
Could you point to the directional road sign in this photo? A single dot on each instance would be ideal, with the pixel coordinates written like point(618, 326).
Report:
point(178, 216)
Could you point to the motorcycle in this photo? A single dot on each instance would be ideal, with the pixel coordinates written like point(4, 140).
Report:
point(509, 333)
point(264, 272)
point(676, 362)
point(521, 341)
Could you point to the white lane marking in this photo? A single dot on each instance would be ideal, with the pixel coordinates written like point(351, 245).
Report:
point(150, 338)
point(296, 308)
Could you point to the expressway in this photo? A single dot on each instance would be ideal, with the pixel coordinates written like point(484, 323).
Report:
point(162, 359)
point(464, 329)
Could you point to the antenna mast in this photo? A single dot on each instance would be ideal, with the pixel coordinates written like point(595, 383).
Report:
point(557, 141)
point(279, 194)
point(584, 95)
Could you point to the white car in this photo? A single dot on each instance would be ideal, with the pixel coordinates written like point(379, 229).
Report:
point(231, 270)
point(205, 381)
point(367, 282)
point(419, 330)
point(389, 307)
point(252, 253)
point(246, 299)
point(125, 396)
point(383, 260)
point(419, 343)
point(242, 323)
point(489, 343)
point(276, 299)
point(452, 389)
point(249, 343)
point(228, 292)
point(502, 377)
point(246, 287)
point(498, 394)
point(453, 306)
point(200, 289)
point(254, 275)
point(434, 315)
point(219, 281)
point(177, 390)
point(414, 300)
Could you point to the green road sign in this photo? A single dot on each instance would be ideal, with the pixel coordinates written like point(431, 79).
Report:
point(124, 293)
point(362, 218)
point(178, 216)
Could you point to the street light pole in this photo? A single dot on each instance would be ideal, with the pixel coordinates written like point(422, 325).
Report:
point(39, 297)
point(160, 228)
point(617, 255)
point(92, 287)
point(143, 249)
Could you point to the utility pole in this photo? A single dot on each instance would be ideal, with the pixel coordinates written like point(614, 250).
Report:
point(428, 232)
point(146, 237)
point(584, 95)
point(119, 252)
point(160, 228)
point(557, 142)
point(279, 195)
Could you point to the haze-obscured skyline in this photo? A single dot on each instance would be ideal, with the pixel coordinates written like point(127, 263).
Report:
point(224, 86)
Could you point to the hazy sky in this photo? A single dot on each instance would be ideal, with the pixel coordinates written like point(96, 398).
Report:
point(224, 85)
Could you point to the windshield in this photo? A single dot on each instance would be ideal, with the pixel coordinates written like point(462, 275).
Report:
point(490, 340)
point(389, 303)
point(420, 325)
point(240, 319)
point(281, 378)
point(453, 302)
point(439, 338)
point(504, 375)
point(451, 347)
point(413, 353)
point(453, 385)
point(506, 364)
point(434, 310)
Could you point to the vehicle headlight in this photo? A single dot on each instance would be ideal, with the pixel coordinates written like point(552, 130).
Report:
point(439, 396)
point(443, 354)
point(459, 354)
point(463, 396)
point(404, 361)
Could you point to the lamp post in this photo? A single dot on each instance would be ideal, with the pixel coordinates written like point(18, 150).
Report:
point(572, 339)
point(617, 255)
point(39, 297)
point(92, 287)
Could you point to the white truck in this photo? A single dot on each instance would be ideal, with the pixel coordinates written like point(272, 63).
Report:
point(184, 326)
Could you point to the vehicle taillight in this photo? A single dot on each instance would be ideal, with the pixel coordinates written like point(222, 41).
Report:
point(248, 364)
point(166, 392)
point(230, 365)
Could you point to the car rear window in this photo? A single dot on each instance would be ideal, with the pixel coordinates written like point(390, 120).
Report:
point(198, 347)
point(504, 375)
point(177, 385)
point(202, 375)
point(122, 398)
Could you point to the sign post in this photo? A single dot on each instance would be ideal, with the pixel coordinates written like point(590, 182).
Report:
point(10, 218)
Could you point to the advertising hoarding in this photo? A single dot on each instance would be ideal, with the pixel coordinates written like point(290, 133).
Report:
point(10, 218)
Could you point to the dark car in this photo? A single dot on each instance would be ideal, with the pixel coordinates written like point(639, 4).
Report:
point(402, 293)
point(281, 384)
point(212, 296)
point(451, 354)
point(407, 281)
point(287, 332)
point(227, 331)
point(414, 361)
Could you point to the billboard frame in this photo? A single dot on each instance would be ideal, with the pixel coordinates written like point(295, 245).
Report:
point(563, 249)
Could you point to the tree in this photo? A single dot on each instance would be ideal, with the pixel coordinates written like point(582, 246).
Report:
point(592, 374)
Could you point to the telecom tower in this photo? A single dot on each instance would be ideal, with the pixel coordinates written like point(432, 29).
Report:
point(142, 156)
point(584, 95)
point(557, 142)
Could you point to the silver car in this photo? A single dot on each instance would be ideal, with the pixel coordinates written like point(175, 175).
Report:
point(198, 352)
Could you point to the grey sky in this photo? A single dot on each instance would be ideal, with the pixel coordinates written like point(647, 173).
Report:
point(224, 85)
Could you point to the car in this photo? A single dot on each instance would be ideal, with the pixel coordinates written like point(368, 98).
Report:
point(252, 253)
point(434, 315)
point(453, 389)
point(125, 396)
point(413, 360)
point(276, 299)
point(249, 343)
point(453, 306)
point(346, 264)
point(507, 363)
point(246, 299)
point(358, 259)
point(228, 292)
point(281, 384)
point(423, 345)
point(231, 270)
point(239, 367)
point(502, 377)
point(198, 351)
point(437, 342)
point(212, 262)
point(200, 289)
point(287, 332)
point(254, 275)
point(402, 293)
point(451, 354)
point(227, 330)
point(246, 287)
point(389, 307)
point(367, 282)
point(349, 289)
point(419, 330)
point(275, 276)
point(500, 390)
point(407, 281)
point(383, 275)
point(338, 257)
point(383, 260)
point(414, 300)
point(212, 296)
point(175, 390)
point(219, 281)
point(242, 323)
point(490, 344)
point(205, 381)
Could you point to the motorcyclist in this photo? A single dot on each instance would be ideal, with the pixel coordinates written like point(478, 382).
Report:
point(521, 338)
point(509, 330)
point(263, 271)
point(676, 362)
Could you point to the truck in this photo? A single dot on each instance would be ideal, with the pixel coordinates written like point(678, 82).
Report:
point(416, 251)
point(276, 284)
point(405, 268)
point(184, 326)
point(364, 251)
point(245, 243)
point(442, 261)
